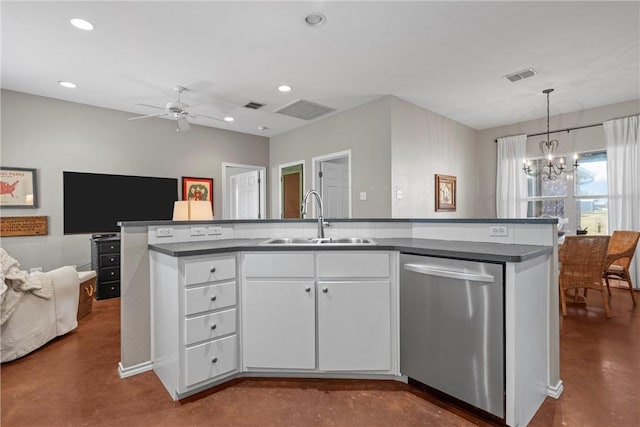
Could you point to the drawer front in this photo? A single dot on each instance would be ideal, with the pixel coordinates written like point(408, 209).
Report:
point(211, 359)
point(109, 260)
point(279, 265)
point(370, 264)
point(109, 247)
point(210, 326)
point(210, 298)
point(209, 270)
point(109, 273)
point(108, 290)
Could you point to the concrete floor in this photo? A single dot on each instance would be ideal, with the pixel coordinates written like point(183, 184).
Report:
point(73, 381)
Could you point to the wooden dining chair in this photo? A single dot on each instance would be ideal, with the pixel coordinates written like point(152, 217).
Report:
point(622, 246)
point(582, 261)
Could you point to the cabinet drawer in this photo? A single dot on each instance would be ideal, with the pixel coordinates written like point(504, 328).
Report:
point(211, 359)
point(108, 247)
point(370, 264)
point(107, 290)
point(109, 273)
point(279, 265)
point(209, 270)
point(210, 326)
point(210, 298)
point(109, 260)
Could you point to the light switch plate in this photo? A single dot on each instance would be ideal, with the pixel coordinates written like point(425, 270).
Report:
point(363, 195)
point(399, 194)
point(214, 230)
point(197, 231)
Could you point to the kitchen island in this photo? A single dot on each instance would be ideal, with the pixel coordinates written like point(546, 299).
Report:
point(528, 271)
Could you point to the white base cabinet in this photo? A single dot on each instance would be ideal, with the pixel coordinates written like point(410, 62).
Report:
point(194, 316)
point(319, 311)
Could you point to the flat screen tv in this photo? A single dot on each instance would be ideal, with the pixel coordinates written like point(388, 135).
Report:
point(95, 203)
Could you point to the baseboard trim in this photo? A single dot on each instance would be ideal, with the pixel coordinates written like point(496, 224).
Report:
point(134, 370)
point(555, 391)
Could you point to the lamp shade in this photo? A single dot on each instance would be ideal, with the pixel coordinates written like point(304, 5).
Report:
point(185, 210)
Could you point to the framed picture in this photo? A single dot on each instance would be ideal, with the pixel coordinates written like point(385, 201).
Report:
point(18, 188)
point(197, 189)
point(445, 193)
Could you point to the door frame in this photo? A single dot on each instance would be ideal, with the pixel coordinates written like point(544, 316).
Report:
point(315, 167)
point(226, 202)
point(280, 195)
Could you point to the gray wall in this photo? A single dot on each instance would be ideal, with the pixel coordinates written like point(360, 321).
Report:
point(588, 139)
point(55, 136)
point(365, 130)
point(423, 144)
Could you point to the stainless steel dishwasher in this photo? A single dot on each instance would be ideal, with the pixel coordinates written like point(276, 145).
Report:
point(452, 328)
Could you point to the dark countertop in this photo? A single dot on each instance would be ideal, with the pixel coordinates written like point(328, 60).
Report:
point(476, 251)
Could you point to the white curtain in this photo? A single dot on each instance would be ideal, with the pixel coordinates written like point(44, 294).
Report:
point(623, 175)
point(511, 181)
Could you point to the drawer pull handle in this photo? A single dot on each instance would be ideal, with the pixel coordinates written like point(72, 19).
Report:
point(112, 259)
point(214, 360)
point(307, 289)
point(213, 269)
point(112, 273)
point(213, 298)
point(213, 326)
point(325, 290)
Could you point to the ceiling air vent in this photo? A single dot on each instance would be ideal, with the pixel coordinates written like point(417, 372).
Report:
point(305, 110)
point(520, 75)
point(254, 105)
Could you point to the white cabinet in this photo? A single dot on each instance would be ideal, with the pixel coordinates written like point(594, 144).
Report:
point(319, 311)
point(354, 326)
point(279, 328)
point(194, 340)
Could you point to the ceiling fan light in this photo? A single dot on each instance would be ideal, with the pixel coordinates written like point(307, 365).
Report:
point(82, 24)
point(66, 84)
point(229, 119)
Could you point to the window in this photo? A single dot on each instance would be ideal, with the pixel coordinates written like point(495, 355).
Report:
point(580, 197)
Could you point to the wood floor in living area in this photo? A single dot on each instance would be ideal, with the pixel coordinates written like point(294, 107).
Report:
point(73, 381)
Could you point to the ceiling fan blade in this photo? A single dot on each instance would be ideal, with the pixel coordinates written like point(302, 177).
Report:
point(206, 117)
point(146, 117)
point(150, 106)
point(183, 125)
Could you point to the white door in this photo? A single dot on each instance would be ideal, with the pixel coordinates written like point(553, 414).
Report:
point(245, 195)
point(279, 329)
point(354, 326)
point(334, 179)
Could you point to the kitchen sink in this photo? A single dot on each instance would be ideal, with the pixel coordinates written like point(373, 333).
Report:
point(319, 241)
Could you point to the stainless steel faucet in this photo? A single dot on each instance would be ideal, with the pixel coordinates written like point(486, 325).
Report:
point(303, 211)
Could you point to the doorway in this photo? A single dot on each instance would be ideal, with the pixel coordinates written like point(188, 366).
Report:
point(332, 179)
point(243, 191)
point(291, 189)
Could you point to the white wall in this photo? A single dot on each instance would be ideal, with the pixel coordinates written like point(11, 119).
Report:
point(423, 144)
point(55, 136)
point(365, 130)
point(588, 139)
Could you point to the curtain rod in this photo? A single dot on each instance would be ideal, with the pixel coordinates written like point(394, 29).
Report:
point(560, 130)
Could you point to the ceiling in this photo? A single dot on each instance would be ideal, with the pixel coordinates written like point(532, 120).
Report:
point(448, 57)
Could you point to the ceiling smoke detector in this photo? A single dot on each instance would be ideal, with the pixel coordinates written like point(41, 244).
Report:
point(520, 75)
point(315, 19)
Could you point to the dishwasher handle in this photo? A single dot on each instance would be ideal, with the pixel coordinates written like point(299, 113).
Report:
point(451, 274)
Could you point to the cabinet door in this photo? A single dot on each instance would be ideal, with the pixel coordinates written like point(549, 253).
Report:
point(354, 326)
point(279, 324)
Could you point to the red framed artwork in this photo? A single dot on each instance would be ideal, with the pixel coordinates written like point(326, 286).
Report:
point(197, 189)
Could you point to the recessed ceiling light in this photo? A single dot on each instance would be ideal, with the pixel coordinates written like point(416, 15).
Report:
point(67, 84)
point(315, 18)
point(284, 88)
point(82, 24)
point(228, 119)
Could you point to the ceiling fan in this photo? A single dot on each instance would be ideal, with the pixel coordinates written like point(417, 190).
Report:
point(178, 110)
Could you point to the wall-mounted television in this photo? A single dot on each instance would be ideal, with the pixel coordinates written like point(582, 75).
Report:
point(95, 203)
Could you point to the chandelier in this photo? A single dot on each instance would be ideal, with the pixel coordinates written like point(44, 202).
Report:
point(552, 168)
